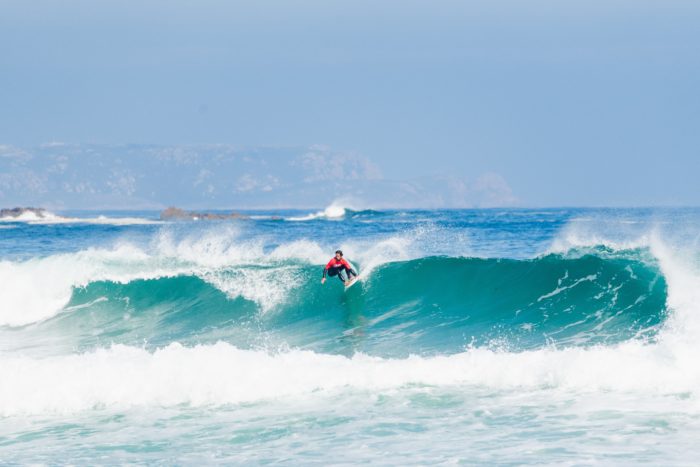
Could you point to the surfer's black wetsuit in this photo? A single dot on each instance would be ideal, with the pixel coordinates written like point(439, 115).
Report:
point(341, 268)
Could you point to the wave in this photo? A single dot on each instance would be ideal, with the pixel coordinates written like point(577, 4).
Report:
point(590, 315)
point(433, 304)
point(335, 211)
point(41, 287)
point(219, 374)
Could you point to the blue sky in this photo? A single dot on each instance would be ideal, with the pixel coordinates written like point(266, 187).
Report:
point(568, 102)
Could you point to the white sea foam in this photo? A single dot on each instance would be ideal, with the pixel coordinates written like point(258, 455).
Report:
point(99, 220)
point(609, 232)
point(47, 218)
point(392, 249)
point(123, 376)
point(268, 287)
point(38, 288)
point(333, 211)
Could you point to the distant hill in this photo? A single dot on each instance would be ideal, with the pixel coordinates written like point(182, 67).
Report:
point(212, 176)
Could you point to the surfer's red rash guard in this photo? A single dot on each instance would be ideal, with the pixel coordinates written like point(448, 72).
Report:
point(339, 263)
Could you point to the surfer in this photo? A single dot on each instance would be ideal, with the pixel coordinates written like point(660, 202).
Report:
point(339, 266)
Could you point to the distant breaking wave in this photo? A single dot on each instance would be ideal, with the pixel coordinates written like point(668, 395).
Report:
point(334, 212)
point(46, 217)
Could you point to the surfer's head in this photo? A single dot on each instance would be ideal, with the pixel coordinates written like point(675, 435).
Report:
point(338, 254)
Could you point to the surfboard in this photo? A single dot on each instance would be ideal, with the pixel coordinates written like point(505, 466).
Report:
point(351, 282)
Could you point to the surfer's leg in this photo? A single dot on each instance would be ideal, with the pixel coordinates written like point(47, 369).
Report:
point(335, 272)
point(342, 275)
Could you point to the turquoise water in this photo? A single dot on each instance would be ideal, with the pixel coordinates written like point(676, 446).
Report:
point(561, 336)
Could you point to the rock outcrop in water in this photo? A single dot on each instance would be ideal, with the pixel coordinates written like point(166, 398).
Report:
point(16, 213)
point(173, 213)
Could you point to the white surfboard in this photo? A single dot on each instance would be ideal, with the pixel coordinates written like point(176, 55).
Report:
point(351, 282)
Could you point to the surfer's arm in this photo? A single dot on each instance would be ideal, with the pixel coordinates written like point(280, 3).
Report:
point(325, 271)
point(328, 266)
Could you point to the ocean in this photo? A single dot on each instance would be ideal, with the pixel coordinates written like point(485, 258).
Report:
point(491, 336)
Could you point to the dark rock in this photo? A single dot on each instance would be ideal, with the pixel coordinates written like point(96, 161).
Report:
point(173, 213)
point(17, 212)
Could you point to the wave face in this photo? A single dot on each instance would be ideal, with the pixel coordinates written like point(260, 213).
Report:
point(421, 306)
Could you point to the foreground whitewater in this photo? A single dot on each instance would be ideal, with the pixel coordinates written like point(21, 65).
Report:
point(556, 336)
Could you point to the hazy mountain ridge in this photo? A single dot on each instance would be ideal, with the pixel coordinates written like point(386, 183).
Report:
point(60, 175)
